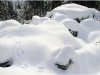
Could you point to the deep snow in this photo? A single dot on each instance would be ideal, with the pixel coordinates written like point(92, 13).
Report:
point(75, 11)
point(35, 48)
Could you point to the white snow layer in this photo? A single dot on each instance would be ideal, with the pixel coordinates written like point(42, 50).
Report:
point(75, 11)
point(35, 48)
point(35, 20)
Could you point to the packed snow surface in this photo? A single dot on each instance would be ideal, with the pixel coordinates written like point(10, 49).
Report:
point(35, 48)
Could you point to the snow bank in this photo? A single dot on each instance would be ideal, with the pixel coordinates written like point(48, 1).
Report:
point(35, 48)
point(30, 45)
point(45, 37)
point(75, 11)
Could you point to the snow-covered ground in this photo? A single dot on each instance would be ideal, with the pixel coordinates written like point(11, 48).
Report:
point(47, 43)
point(75, 11)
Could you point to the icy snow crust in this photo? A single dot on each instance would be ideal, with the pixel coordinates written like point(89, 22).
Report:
point(35, 48)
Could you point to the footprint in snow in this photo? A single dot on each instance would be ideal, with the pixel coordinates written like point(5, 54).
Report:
point(18, 49)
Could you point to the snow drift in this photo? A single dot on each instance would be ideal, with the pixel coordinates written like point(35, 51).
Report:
point(75, 11)
point(47, 46)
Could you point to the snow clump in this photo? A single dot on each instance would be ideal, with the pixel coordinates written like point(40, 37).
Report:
point(35, 20)
point(66, 53)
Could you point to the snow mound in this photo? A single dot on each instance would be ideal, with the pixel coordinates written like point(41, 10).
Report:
point(66, 53)
point(86, 27)
point(44, 19)
point(8, 23)
point(90, 24)
point(72, 11)
point(6, 50)
point(71, 24)
point(73, 5)
point(93, 36)
point(50, 22)
point(35, 20)
point(90, 54)
point(58, 17)
point(45, 44)
point(95, 14)
point(74, 26)
point(36, 39)
point(75, 11)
